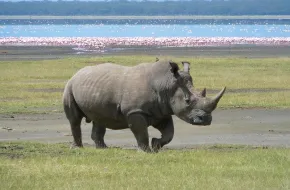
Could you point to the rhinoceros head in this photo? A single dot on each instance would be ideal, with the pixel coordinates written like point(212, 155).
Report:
point(193, 107)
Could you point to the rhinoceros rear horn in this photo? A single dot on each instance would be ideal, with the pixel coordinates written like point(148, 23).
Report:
point(217, 98)
point(186, 67)
point(203, 92)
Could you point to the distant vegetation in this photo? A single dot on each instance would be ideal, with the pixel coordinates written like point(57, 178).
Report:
point(124, 7)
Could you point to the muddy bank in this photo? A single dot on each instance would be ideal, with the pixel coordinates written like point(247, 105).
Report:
point(56, 52)
point(259, 127)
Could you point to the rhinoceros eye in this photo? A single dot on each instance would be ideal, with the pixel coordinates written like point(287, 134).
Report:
point(187, 100)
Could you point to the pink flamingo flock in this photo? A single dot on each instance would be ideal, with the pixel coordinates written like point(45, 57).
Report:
point(101, 43)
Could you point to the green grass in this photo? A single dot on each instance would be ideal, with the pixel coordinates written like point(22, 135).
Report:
point(36, 86)
point(55, 166)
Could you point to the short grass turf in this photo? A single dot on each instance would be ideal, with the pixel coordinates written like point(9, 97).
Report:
point(55, 166)
point(37, 86)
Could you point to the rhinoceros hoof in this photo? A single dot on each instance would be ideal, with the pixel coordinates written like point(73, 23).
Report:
point(74, 146)
point(101, 146)
point(155, 144)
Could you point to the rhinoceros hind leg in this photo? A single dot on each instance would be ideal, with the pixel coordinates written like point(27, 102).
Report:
point(97, 135)
point(166, 129)
point(139, 127)
point(75, 125)
point(74, 115)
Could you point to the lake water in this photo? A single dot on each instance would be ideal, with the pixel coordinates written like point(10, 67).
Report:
point(145, 30)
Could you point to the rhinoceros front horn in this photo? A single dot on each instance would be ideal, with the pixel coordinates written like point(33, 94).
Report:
point(217, 98)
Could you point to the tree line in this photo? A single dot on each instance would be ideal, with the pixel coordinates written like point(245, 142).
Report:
point(124, 7)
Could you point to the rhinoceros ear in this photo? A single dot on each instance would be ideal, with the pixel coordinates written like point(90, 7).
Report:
point(186, 66)
point(174, 67)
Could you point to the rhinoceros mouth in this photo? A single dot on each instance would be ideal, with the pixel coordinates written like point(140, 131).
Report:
point(197, 119)
point(201, 120)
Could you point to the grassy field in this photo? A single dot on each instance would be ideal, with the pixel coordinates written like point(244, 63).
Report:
point(36, 86)
point(54, 166)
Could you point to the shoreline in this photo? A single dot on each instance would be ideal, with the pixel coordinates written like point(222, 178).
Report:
point(101, 44)
point(37, 48)
point(10, 53)
point(201, 17)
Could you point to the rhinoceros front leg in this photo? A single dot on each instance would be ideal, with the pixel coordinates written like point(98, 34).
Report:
point(166, 129)
point(139, 126)
point(97, 135)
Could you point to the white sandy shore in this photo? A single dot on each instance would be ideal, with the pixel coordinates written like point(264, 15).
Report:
point(102, 43)
point(179, 17)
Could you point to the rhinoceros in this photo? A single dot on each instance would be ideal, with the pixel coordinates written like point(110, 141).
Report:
point(148, 94)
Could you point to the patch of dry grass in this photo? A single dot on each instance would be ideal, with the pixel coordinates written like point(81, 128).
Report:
point(33, 86)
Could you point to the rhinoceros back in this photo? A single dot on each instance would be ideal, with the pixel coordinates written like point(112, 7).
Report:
point(95, 89)
point(99, 90)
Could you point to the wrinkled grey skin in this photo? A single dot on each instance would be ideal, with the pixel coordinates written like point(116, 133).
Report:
point(119, 97)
